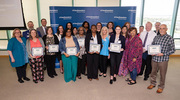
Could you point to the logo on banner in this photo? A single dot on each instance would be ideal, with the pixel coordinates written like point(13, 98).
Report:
point(107, 11)
point(92, 17)
point(120, 18)
point(77, 23)
point(53, 11)
point(78, 11)
point(65, 17)
point(134, 11)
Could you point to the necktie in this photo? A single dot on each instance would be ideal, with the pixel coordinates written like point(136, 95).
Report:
point(145, 39)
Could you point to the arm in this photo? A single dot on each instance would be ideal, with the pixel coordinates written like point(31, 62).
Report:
point(171, 47)
point(12, 58)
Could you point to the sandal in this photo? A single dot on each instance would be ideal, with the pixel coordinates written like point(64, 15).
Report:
point(131, 83)
point(128, 79)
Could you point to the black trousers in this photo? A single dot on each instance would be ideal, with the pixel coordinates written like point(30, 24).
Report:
point(81, 65)
point(146, 63)
point(21, 71)
point(103, 64)
point(50, 64)
point(92, 66)
point(115, 59)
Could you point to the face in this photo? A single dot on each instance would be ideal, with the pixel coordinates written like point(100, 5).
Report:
point(118, 30)
point(49, 31)
point(110, 25)
point(68, 33)
point(133, 33)
point(30, 25)
point(104, 31)
point(43, 22)
point(141, 29)
point(163, 29)
point(93, 29)
point(98, 26)
point(33, 33)
point(157, 26)
point(17, 33)
point(124, 29)
point(81, 31)
point(128, 25)
point(61, 29)
point(75, 31)
point(69, 25)
point(148, 27)
point(86, 25)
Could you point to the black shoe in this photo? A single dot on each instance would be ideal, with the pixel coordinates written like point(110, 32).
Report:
point(111, 81)
point(27, 79)
point(51, 76)
point(41, 80)
point(20, 81)
point(114, 79)
point(35, 81)
point(145, 79)
point(131, 83)
point(55, 74)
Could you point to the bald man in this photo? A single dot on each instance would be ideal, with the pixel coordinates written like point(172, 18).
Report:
point(160, 61)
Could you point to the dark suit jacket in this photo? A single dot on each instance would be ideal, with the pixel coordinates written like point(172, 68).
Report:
point(40, 29)
point(89, 37)
point(157, 32)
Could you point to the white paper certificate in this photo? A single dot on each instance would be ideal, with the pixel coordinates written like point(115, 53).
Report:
point(53, 48)
point(115, 47)
point(37, 51)
point(154, 49)
point(81, 42)
point(94, 47)
point(71, 50)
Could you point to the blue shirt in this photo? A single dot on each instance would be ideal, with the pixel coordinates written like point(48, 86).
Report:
point(104, 50)
point(18, 51)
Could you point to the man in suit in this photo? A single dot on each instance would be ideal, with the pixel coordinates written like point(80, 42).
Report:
point(157, 26)
point(30, 26)
point(42, 29)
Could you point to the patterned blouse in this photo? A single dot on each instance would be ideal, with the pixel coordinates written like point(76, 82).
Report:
point(49, 41)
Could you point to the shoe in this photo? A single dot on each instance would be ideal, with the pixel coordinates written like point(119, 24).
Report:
point(145, 79)
point(131, 83)
point(111, 81)
point(41, 80)
point(114, 79)
point(55, 74)
point(128, 79)
point(97, 79)
point(51, 76)
point(104, 75)
point(79, 77)
point(100, 74)
point(35, 81)
point(159, 90)
point(27, 79)
point(90, 79)
point(20, 81)
point(150, 87)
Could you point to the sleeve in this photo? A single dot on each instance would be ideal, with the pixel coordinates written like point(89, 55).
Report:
point(153, 43)
point(123, 42)
point(78, 48)
point(28, 47)
point(24, 34)
point(39, 34)
point(61, 44)
point(44, 39)
point(10, 45)
point(139, 50)
point(171, 47)
point(100, 41)
point(56, 39)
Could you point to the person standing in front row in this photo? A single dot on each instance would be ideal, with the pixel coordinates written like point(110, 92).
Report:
point(92, 57)
point(69, 61)
point(18, 55)
point(36, 62)
point(147, 38)
point(104, 54)
point(115, 58)
point(50, 57)
point(160, 61)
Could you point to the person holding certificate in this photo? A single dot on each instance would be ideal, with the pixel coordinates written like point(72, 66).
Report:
point(104, 51)
point(93, 45)
point(18, 55)
point(117, 46)
point(50, 41)
point(69, 48)
point(133, 55)
point(36, 59)
point(82, 58)
point(160, 60)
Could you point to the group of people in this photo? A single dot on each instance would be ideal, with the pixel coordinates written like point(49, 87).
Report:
point(132, 57)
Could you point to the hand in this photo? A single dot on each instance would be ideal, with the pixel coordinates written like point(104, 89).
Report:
point(108, 48)
point(13, 60)
point(160, 54)
point(134, 59)
point(47, 47)
point(97, 52)
point(77, 54)
point(66, 54)
point(109, 56)
point(144, 50)
point(122, 49)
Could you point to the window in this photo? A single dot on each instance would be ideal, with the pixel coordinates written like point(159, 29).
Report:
point(177, 27)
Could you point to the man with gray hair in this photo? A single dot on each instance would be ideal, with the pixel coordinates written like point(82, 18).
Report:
point(160, 61)
point(157, 26)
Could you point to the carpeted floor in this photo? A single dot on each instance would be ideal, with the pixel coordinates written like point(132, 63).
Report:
point(57, 89)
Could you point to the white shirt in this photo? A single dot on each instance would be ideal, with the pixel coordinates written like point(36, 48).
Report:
point(150, 38)
point(95, 39)
point(59, 36)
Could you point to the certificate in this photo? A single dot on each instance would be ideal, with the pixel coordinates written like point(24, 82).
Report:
point(94, 47)
point(71, 50)
point(81, 42)
point(115, 47)
point(37, 51)
point(154, 49)
point(53, 48)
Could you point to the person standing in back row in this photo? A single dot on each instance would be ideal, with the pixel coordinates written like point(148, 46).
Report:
point(42, 29)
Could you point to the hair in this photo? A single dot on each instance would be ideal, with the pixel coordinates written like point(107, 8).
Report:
point(43, 19)
point(127, 35)
point(119, 27)
point(141, 26)
point(149, 23)
point(29, 22)
point(58, 32)
point(15, 33)
point(109, 23)
point(105, 29)
point(30, 36)
point(99, 23)
point(71, 25)
point(93, 25)
point(84, 23)
point(49, 27)
point(133, 28)
point(65, 31)
point(83, 29)
point(127, 23)
point(158, 22)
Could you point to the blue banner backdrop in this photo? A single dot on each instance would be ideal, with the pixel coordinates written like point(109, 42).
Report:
point(77, 15)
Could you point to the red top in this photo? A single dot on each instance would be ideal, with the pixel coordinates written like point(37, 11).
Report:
point(35, 44)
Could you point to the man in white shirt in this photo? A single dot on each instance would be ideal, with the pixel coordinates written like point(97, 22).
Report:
point(42, 29)
point(147, 39)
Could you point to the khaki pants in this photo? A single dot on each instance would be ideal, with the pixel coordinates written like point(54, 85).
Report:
point(162, 66)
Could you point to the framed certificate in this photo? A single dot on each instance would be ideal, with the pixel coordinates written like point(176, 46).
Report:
point(37, 51)
point(94, 47)
point(71, 50)
point(53, 48)
point(115, 47)
point(81, 42)
point(154, 49)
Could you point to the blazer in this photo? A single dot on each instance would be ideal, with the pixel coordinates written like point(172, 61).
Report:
point(88, 38)
point(40, 29)
point(121, 38)
point(26, 34)
point(55, 40)
point(28, 47)
point(62, 45)
point(157, 32)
